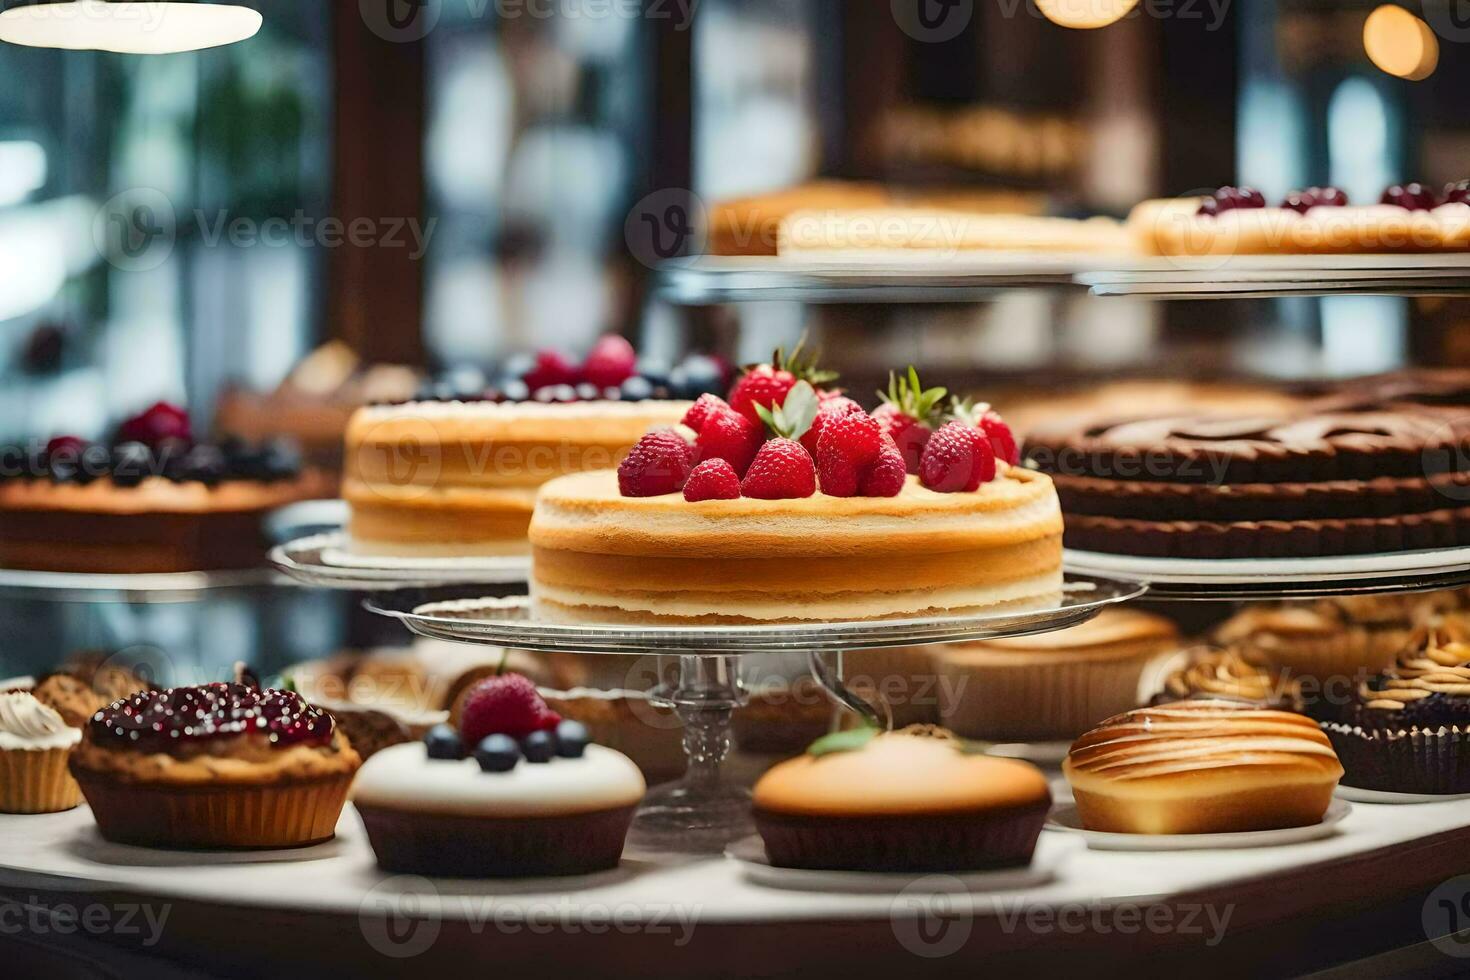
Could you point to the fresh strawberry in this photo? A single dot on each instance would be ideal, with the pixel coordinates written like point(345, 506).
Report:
point(909, 414)
point(551, 369)
point(1002, 440)
point(767, 385)
point(838, 475)
point(714, 479)
point(507, 704)
point(887, 476)
point(782, 470)
point(957, 459)
point(856, 436)
point(659, 464)
point(829, 406)
point(730, 436)
point(66, 447)
point(612, 361)
point(701, 409)
point(159, 424)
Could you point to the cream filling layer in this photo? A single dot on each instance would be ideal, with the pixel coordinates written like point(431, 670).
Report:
point(404, 778)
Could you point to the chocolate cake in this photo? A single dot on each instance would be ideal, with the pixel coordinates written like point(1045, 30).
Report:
point(1322, 482)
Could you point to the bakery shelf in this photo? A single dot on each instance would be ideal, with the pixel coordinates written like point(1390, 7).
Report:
point(906, 278)
point(132, 588)
point(1269, 579)
point(1365, 891)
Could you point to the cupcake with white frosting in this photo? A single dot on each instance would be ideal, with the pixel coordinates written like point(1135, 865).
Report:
point(34, 745)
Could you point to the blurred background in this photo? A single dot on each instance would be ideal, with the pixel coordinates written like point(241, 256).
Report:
point(436, 185)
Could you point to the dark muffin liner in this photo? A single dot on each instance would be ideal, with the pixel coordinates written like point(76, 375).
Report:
point(442, 846)
point(974, 841)
point(1399, 761)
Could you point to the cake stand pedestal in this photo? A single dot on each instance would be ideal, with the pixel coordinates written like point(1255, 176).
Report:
point(702, 812)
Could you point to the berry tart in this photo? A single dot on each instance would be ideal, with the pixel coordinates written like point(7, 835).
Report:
point(793, 503)
point(1317, 220)
point(34, 745)
point(1408, 729)
point(226, 766)
point(1311, 484)
point(1202, 767)
point(917, 800)
point(151, 500)
point(515, 791)
point(456, 474)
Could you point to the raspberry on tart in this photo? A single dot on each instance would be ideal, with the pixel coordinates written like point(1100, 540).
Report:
point(828, 408)
point(658, 464)
point(714, 479)
point(782, 470)
point(726, 434)
point(767, 385)
point(509, 705)
point(958, 459)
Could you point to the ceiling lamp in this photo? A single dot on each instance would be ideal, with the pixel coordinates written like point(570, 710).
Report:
point(128, 26)
point(1400, 43)
point(1085, 14)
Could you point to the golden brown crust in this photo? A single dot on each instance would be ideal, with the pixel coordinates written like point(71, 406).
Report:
point(245, 760)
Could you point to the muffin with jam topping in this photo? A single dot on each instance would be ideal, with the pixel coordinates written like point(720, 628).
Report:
point(1407, 730)
point(220, 766)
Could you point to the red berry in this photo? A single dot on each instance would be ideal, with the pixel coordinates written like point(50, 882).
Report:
point(659, 464)
point(66, 446)
point(505, 705)
point(714, 479)
point(551, 369)
point(159, 424)
point(910, 435)
point(702, 409)
point(886, 477)
point(1002, 440)
point(763, 385)
point(782, 470)
point(958, 459)
point(839, 476)
point(830, 406)
point(858, 436)
point(730, 436)
point(612, 361)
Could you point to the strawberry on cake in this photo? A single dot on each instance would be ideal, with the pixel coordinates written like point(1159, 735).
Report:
point(795, 504)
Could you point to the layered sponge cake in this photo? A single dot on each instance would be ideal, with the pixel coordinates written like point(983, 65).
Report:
point(443, 479)
point(600, 556)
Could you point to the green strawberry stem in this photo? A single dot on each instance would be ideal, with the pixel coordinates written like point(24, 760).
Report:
point(793, 418)
point(909, 396)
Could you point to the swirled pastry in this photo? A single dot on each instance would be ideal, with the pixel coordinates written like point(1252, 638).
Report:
point(1202, 767)
point(1214, 673)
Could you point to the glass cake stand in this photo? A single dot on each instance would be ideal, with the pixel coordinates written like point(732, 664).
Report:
point(132, 587)
point(701, 813)
point(323, 560)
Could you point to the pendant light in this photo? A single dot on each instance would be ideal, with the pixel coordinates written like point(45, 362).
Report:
point(128, 26)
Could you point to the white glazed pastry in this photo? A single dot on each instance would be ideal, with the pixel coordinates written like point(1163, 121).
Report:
point(34, 745)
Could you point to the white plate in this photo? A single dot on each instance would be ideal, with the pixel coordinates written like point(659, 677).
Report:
point(1065, 820)
point(1252, 571)
point(1036, 753)
point(750, 854)
point(1359, 795)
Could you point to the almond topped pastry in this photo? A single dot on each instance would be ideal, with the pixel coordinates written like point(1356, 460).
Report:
point(1202, 767)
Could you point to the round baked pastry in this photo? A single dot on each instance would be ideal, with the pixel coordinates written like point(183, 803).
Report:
point(435, 479)
point(219, 766)
point(598, 556)
point(516, 791)
point(1202, 767)
point(903, 801)
point(1053, 685)
point(34, 745)
point(1408, 730)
